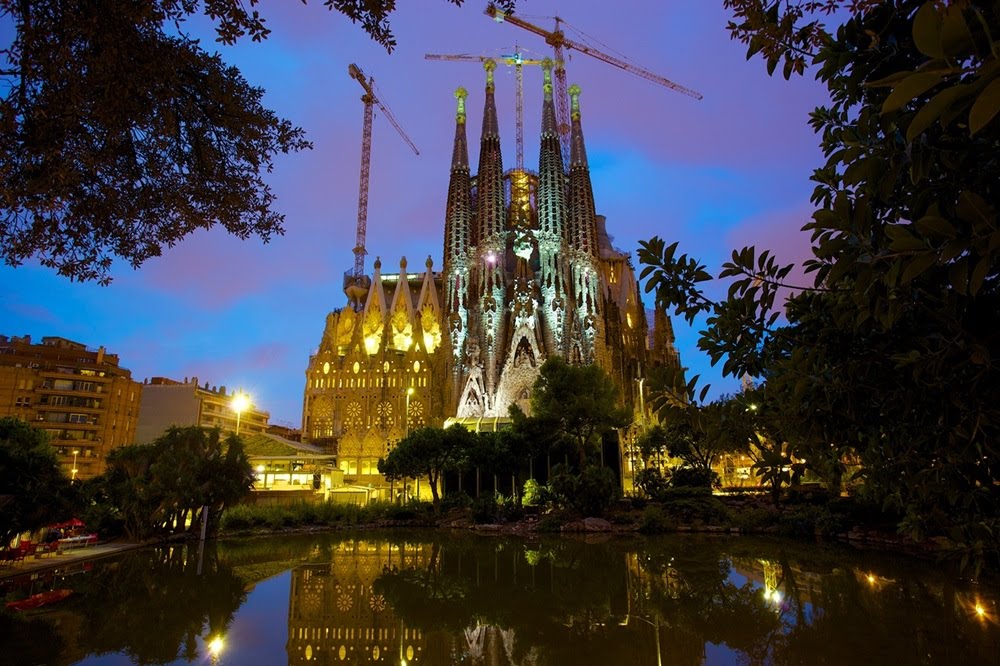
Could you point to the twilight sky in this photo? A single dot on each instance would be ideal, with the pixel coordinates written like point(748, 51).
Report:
point(718, 174)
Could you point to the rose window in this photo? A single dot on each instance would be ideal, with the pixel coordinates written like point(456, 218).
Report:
point(352, 415)
point(416, 416)
point(383, 415)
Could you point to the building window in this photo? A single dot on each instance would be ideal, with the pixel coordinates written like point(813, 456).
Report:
point(78, 418)
point(22, 402)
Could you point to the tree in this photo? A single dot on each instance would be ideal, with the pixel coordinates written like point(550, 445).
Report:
point(120, 134)
point(890, 354)
point(428, 452)
point(163, 486)
point(34, 491)
point(580, 401)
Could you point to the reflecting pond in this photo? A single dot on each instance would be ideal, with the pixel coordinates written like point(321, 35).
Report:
point(410, 598)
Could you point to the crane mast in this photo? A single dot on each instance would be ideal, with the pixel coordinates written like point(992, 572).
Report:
point(370, 100)
point(515, 60)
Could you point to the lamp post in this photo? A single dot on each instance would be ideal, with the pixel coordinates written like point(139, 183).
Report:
point(76, 452)
point(240, 403)
point(409, 392)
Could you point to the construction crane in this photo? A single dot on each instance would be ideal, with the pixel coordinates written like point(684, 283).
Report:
point(516, 60)
point(370, 100)
point(558, 41)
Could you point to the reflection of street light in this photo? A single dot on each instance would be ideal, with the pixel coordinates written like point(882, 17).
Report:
point(76, 452)
point(240, 403)
point(409, 392)
point(215, 648)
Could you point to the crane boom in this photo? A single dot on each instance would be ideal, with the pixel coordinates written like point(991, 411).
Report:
point(517, 62)
point(557, 39)
point(369, 99)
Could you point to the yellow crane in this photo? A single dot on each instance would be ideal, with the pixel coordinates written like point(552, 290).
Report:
point(370, 99)
point(558, 41)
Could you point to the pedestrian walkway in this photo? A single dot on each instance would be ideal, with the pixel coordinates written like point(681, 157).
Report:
point(64, 559)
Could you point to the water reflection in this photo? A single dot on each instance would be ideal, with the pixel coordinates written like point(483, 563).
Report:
point(467, 599)
point(335, 612)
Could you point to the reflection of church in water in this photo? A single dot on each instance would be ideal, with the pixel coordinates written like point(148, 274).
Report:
point(338, 616)
point(334, 615)
point(529, 272)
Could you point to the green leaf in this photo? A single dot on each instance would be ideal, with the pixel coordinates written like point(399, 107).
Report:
point(935, 227)
point(889, 81)
point(909, 88)
point(927, 31)
point(956, 39)
point(933, 109)
point(979, 274)
point(919, 264)
point(986, 107)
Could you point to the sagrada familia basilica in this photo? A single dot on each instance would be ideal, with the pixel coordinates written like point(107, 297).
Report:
point(529, 272)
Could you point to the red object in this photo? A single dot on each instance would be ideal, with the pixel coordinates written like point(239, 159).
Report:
point(39, 600)
point(72, 522)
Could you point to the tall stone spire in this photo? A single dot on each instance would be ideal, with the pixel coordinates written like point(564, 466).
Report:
point(491, 216)
point(582, 236)
point(458, 229)
point(583, 222)
point(551, 203)
point(459, 209)
point(491, 211)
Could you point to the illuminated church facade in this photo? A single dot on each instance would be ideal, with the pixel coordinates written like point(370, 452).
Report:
point(529, 272)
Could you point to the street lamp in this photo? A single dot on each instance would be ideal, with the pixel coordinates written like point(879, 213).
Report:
point(76, 452)
point(263, 475)
point(241, 401)
point(409, 392)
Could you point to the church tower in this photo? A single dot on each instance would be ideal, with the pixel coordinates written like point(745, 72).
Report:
point(528, 272)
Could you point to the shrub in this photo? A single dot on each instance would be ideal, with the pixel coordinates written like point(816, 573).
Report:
point(456, 500)
point(695, 506)
point(590, 493)
point(535, 494)
point(655, 521)
point(694, 477)
point(402, 511)
point(508, 510)
point(753, 519)
point(485, 510)
point(800, 522)
point(549, 524)
point(651, 483)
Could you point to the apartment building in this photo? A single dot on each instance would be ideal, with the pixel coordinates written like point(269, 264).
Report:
point(168, 402)
point(81, 396)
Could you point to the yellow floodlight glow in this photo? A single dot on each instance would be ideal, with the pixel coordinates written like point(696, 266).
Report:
point(215, 646)
point(980, 611)
point(241, 401)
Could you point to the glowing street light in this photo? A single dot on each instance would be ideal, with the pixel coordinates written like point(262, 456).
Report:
point(215, 647)
point(409, 392)
point(76, 452)
point(263, 475)
point(241, 401)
